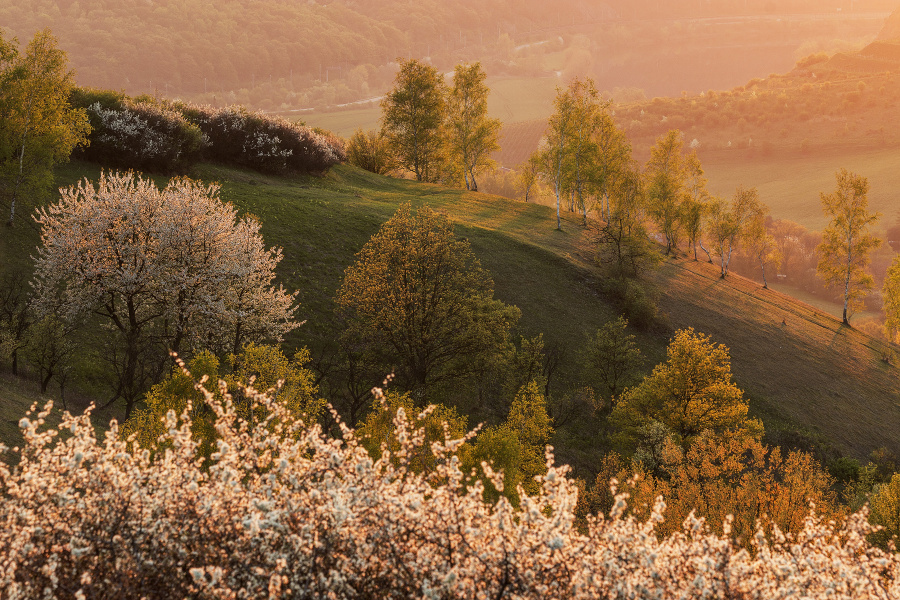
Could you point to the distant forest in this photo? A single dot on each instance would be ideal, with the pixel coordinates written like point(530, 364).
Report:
point(192, 47)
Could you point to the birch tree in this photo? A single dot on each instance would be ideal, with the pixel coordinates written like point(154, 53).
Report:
point(665, 174)
point(694, 205)
point(728, 223)
point(561, 128)
point(412, 119)
point(611, 162)
point(846, 242)
point(38, 127)
point(761, 246)
point(171, 269)
point(471, 135)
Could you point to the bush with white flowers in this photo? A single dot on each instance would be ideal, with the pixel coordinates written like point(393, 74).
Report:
point(143, 135)
point(263, 142)
point(283, 510)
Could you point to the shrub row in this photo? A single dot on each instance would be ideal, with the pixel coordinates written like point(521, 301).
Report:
point(242, 137)
point(138, 134)
point(146, 134)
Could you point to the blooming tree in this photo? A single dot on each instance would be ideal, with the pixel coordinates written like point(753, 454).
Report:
point(284, 511)
point(171, 269)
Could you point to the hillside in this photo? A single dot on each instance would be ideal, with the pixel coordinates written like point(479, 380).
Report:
point(810, 379)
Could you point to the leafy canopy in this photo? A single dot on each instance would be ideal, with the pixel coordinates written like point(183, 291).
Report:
point(846, 242)
point(419, 301)
point(412, 118)
point(38, 126)
point(689, 393)
point(471, 135)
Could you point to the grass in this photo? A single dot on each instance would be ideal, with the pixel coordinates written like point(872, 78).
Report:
point(812, 370)
point(341, 122)
point(812, 373)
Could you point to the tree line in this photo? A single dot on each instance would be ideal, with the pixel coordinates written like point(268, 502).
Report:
point(585, 159)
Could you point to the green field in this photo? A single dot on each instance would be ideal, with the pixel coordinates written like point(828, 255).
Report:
point(341, 122)
point(791, 186)
point(813, 373)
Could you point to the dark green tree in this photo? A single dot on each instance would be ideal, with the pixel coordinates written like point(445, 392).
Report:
point(612, 361)
point(419, 301)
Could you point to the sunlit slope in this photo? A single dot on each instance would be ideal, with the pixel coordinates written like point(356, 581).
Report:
point(795, 361)
point(811, 372)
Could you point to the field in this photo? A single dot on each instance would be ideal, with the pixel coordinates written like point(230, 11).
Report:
point(791, 185)
point(813, 374)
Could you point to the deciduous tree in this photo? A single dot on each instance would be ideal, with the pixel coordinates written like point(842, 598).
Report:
point(690, 393)
point(171, 269)
point(419, 301)
point(529, 179)
point(265, 368)
point(38, 127)
point(846, 242)
point(694, 206)
point(412, 119)
point(761, 246)
point(471, 135)
point(665, 172)
point(612, 361)
point(729, 223)
point(560, 131)
point(890, 295)
point(623, 242)
point(371, 151)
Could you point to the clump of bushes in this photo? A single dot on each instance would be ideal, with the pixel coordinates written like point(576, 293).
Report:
point(242, 137)
point(138, 133)
point(281, 510)
point(147, 134)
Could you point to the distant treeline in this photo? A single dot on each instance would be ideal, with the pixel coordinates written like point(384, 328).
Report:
point(193, 47)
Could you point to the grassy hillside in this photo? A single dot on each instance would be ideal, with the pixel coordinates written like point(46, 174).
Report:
point(811, 373)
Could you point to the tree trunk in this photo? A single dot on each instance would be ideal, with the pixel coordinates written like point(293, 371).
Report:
point(46, 381)
point(847, 281)
point(558, 222)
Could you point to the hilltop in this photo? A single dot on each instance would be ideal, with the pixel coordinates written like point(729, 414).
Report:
point(814, 382)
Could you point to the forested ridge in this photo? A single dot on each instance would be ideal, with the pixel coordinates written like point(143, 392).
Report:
point(240, 43)
point(188, 47)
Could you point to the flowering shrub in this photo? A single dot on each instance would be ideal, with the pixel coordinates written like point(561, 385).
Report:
point(283, 510)
point(169, 137)
point(139, 135)
point(269, 144)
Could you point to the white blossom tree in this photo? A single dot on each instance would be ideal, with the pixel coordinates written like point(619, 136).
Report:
point(282, 510)
point(171, 269)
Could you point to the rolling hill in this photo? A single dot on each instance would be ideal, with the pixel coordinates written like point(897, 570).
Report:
point(812, 380)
